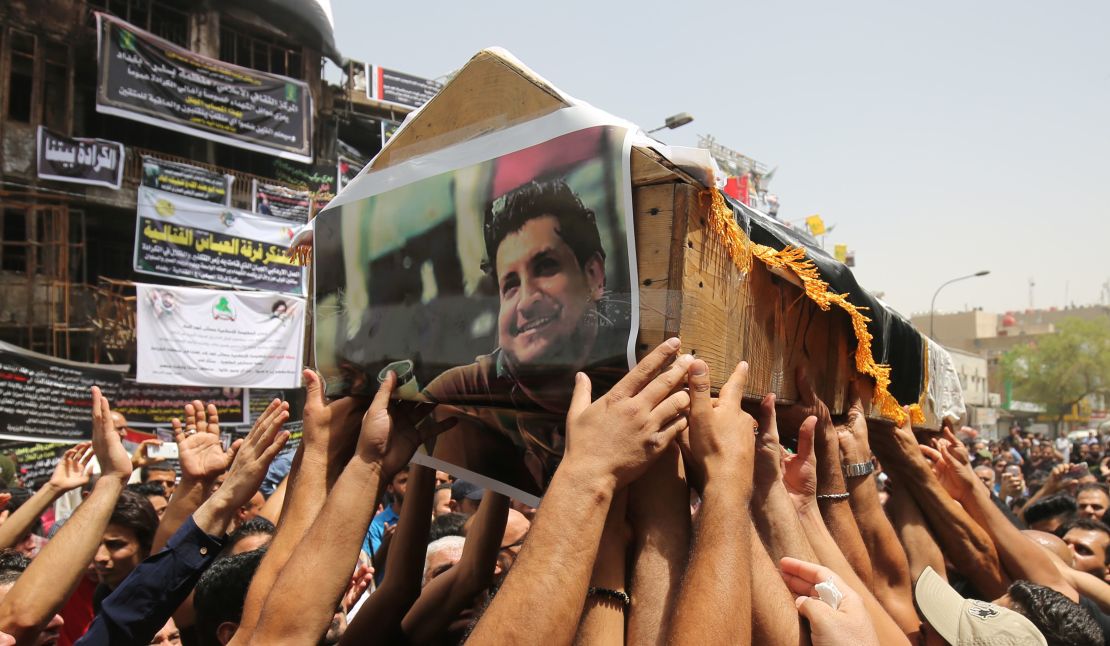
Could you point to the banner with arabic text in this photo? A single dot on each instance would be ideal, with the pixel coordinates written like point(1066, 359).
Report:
point(44, 399)
point(187, 180)
point(97, 162)
point(147, 79)
point(150, 405)
point(206, 337)
point(178, 237)
point(280, 202)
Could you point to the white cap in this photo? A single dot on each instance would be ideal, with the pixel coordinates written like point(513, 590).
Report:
point(967, 622)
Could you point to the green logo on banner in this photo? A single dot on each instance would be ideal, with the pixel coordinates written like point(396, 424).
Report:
point(290, 92)
point(126, 40)
point(222, 310)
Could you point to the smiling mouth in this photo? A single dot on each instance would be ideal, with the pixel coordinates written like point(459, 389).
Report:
point(536, 324)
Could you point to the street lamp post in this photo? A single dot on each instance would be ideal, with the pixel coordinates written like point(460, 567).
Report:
point(933, 304)
point(674, 121)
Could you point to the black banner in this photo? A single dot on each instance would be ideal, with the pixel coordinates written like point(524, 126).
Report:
point(43, 399)
point(153, 405)
point(319, 179)
point(392, 86)
point(281, 202)
point(190, 181)
point(34, 461)
point(348, 171)
point(81, 161)
point(145, 78)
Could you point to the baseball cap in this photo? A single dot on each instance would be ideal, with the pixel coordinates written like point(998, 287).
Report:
point(463, 489)
point(968, 622)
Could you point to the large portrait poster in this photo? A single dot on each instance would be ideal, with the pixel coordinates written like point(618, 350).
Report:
point(178, 237)
point(147, 79)
point(485, 288)
point(44, 399)
point(206, 337)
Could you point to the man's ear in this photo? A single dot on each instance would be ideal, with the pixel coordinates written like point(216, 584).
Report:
point(595, 275)
point(225, 631)
point(453, 505)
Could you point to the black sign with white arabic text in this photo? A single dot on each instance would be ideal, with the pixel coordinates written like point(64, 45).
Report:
point(145, 78)
point(392, 86)
point(190, 181)
point(43, 399)
point(155, 405)
point(281, 202)
point(82, 161)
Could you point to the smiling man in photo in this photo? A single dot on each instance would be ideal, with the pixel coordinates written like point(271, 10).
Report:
point(545, 255)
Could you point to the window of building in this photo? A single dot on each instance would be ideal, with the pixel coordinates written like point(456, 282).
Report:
point(259, 52)
point(159, 18)
point(21, 76)
point(13, 240)
point(56, 102)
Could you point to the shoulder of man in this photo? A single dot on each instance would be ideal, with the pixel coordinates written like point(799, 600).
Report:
point(472, 378)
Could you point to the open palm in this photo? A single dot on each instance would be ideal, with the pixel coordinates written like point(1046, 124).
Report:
point(201, 454)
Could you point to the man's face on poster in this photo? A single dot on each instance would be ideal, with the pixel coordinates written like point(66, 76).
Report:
point(547, 298)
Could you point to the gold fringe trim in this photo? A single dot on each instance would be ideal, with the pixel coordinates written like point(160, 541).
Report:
point(741, 250)
point(301, 255)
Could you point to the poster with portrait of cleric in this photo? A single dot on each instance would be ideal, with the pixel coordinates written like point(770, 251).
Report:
point(485, 288)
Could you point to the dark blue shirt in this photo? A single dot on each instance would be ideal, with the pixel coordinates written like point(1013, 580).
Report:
point(147, 598)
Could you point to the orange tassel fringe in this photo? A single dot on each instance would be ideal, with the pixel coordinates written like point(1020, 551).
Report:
point(741, 250)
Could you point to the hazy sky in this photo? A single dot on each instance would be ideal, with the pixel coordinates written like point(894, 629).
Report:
point(940, 138)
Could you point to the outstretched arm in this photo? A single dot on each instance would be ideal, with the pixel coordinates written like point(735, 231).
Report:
point(142, 604)
point(308, 589)
point(329, 435)
point(889, 566)
point(715, 601)
point(659, 513)
point(42, 590)
point(1022, 558)
point(610, 442)
point(453, 591)
point(964, 542)
point(603, 617)
point(68, 474)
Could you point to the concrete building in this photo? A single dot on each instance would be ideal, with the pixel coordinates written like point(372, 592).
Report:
point(66, 248)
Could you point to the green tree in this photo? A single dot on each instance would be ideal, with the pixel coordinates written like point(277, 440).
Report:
point(1059, 370)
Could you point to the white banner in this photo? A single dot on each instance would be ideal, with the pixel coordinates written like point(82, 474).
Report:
point(206, 337)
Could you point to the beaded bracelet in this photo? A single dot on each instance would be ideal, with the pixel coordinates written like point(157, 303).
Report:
point(832, 496)
point(614, 595)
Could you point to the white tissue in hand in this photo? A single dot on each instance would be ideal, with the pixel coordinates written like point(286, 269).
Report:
point(829, 593)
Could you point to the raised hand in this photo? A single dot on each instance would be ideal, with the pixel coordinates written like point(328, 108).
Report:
point(615, 438)
point(140, 459)
point(799, 470)
point(331, 429)
point(722, 435)
point(251, 456)
point(71, 472)
point(106, 441)
point(200, 450)
point(390, 435)
point(849, 623)
point(768, 451)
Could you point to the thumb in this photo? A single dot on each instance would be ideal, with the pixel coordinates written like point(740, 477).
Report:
point(701, 403)
point(314, 387)
point(816, 611)
point(805, 439)
point(582, 396)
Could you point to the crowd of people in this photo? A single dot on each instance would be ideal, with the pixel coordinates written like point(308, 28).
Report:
point(674, 517)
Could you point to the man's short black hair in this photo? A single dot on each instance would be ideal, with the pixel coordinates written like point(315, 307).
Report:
point(135, 512)
point(221, 591)
point(12, 564)
point(1092, 486)
point(1060, 620)
point(447, 525)
point(257, 526)
point(144, 473)
point(1060, 504)
point(147, 489)
point(1089, 524)
point(577, 224)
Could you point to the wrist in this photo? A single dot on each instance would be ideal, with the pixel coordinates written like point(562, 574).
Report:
point(597, 484)
point(53, 490)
